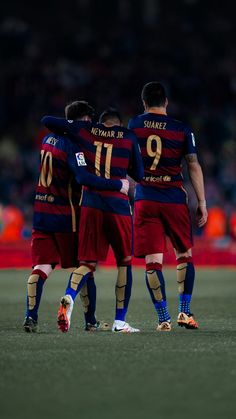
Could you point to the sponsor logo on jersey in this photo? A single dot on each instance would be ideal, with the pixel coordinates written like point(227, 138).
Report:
point(165, 178)
point(50, 198)
point(41, 197)
point(193, 139)
point(44, 197)
point(80, 159)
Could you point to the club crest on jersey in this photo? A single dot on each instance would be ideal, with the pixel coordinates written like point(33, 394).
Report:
point(80, 159)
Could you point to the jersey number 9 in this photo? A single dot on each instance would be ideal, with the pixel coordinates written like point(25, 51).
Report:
point(154, 149)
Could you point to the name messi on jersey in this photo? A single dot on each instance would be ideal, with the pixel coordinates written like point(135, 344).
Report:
point(108, 134)
point(154, 124)
point(51, 141)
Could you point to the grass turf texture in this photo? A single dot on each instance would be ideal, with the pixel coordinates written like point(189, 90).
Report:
point(181, 374)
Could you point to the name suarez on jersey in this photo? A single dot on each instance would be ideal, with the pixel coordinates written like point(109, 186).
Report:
point(154, 124)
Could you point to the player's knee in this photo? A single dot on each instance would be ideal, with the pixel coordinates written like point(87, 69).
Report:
point(45, 269)
point(184, 257)
point(155, 258)
point(151, 267)
point(90, 265)
point(124, 261)
point(72, 269)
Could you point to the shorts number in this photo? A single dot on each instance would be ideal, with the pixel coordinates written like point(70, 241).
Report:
point(153, 141)
point(45, 178)
point(99, 146)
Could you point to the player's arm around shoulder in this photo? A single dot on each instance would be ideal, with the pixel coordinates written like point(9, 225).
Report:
point(197, 180)
point(62, 125)
point(78, 165)
point(136, 170)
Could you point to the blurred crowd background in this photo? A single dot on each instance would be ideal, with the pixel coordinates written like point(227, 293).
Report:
point(52, 52)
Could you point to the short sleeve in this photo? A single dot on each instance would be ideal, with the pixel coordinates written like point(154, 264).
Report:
point(190, 143)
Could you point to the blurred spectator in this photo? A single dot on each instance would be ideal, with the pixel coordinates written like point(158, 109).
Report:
point(216, 223)
point(12, 223)
point(232, 225)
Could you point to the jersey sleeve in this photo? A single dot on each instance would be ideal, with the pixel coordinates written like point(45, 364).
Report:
point(78, 165)
point(189, 145)
point(63, 126)
point(136, 170)
point(130, 124)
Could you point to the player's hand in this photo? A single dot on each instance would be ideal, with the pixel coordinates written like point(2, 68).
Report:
point(125, 186)
point(201, 216)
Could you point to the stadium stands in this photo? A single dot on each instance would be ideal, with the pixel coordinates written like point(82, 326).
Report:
point(41, 70)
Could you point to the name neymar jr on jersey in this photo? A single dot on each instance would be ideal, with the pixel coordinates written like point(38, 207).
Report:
point(108, 133)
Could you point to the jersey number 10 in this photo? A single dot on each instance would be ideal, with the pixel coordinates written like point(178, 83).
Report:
point(45, 178)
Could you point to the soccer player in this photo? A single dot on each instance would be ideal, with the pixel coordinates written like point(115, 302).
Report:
point(111, 152)
point(161, 202)
point(54, 236)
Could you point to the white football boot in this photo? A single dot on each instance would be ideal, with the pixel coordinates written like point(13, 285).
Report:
point(123, 327)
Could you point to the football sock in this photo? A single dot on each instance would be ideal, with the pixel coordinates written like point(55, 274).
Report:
point(185, 280)
point(34, 292)
point(156, 286)
point(184, 303)
point(123, 291)
point(162, 311)
point(88, 296)
point(77, 279)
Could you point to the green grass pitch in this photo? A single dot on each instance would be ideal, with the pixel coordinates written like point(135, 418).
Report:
point(184, 374)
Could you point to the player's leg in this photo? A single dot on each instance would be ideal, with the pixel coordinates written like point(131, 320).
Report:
point(123, 293)
point(76, 282)
point(185, 280)
point(178, 225)
point(149, 241)
point(92, 247)
point(96, 248)
point(88, 296)
point(156, 286)
point(44, 257)
point(35, 285)
point(123, 289)
point(119, 232)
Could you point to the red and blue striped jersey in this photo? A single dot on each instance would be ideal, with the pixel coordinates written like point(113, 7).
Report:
point(58, 193)
point(164, 142)
point(110, 152)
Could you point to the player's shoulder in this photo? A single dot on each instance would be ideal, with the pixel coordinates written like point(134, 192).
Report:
point(54, 141)
point(178, 125)
point(136, 121)
point(129, 134)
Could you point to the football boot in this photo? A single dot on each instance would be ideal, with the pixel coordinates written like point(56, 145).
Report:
point(30, 325)
point(123, 327)
point(64, 313)
point(187, 321)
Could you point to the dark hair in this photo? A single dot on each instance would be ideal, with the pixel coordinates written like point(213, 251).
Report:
point(154, 94)
point(78, 109)
point(109, 113)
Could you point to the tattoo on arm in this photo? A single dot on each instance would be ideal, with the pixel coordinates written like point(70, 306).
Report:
point(191, 158)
